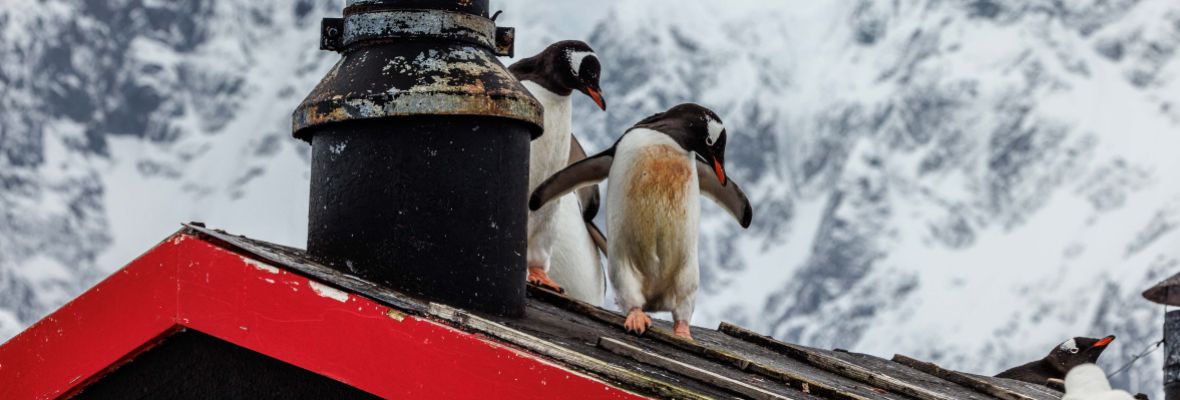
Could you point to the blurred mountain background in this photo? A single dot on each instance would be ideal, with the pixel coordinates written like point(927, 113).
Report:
point(965, 181)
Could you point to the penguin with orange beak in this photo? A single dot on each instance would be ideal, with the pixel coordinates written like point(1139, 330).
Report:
point(657, 171)
point(1063, 358)
point(551, 77)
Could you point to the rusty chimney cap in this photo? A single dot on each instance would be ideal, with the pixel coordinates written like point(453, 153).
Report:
point(1166, 292)
point(477, 7)
point(405, 58)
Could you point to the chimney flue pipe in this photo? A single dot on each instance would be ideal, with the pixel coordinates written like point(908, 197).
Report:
point(420, 141)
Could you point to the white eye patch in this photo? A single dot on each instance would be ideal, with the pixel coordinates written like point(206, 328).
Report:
point(715, 129)
point(1070, 346)
point(576, 58)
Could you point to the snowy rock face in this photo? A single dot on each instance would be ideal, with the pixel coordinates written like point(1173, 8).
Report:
point(967, 181)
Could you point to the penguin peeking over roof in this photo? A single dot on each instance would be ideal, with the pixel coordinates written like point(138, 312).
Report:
point(1063, 358)
point(1088, 382)
point(551, 77)
point(657, 171)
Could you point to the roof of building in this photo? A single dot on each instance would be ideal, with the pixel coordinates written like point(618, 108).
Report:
point(727, 362)
point(586, 340)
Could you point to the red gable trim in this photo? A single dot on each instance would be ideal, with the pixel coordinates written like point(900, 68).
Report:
point(186, 282)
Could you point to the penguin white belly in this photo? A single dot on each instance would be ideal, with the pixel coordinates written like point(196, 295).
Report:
point(653, 215)
point(547, 155)
point(575, 263)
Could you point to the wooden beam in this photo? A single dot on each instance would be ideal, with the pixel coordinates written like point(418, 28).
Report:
point(791, 379)
point(976, 384)
point(646, 357)
point(835, 364)
point(559, 353)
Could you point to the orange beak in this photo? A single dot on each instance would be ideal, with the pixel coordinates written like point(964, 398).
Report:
point(720, 171)
point(1105, 341)
point(594, 94)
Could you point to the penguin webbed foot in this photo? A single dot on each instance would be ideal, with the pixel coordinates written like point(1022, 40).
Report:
point(637, 321)
point(680, 328)
point(537, 276)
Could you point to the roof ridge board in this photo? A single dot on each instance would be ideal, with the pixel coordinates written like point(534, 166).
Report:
point(556, 352)
point(970, 381)
point(791, 379)
point(840, 365)
point(322, 273)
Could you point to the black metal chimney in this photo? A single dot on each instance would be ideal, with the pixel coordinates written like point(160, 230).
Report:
point(1168, 293)
point(420, 142)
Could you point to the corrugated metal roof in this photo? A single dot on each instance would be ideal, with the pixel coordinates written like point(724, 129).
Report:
point(728, 362)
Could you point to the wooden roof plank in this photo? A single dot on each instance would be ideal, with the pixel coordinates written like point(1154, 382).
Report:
point(987, 385)
point(560, 353)
point(626, 350)
point(715, 346)
point(867, 369)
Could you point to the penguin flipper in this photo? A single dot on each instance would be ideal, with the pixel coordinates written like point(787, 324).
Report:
point(597, 237)
point(588, 197)
point(730, 196)
point(582, 173)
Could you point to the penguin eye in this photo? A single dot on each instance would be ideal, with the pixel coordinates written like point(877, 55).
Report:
point(1073, 351)
point(709, 140)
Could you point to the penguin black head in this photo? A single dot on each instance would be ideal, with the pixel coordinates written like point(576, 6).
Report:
point(563, 67)
point(1077, 351)
point(696, 129)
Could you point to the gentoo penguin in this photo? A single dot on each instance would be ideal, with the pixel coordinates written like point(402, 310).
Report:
point(1061, 359)
point(576, 265)
point(1088, 382)
point(656, 172)
point(551, 77)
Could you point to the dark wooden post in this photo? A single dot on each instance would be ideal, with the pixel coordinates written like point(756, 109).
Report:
point(1168, 293)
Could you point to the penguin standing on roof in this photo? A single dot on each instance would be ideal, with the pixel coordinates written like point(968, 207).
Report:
point(657, 171)
point(551, 77)
point(575, 262)
point(1061, 359)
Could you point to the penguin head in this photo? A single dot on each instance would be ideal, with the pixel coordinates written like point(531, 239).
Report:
point(563, 67)
point(1078, 351)
point(696, 129)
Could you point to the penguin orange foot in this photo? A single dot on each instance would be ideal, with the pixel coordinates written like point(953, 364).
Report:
point(537, 276)
point(637, 321)
point(680, 328)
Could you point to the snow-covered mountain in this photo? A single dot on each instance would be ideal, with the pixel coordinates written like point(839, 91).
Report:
point(966, 181)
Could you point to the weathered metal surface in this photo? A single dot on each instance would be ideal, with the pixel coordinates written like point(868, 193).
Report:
point(1166, 292)
point(415, 79)
point(477, 7)
point(419, 24)
point(506, 42)
point(417, 130)
point(400, 61)
point(331, 34)
point(430, 206)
